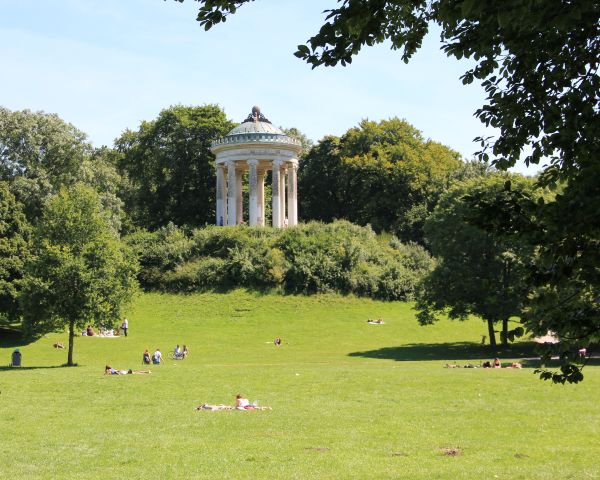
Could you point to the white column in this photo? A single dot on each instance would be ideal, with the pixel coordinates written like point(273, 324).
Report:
point(261, 197)
point(231, 193)
point(239, 205)
point(221, 212)
point(292, 194)
point(276, 213)
point(282, 195)
point(252, 194)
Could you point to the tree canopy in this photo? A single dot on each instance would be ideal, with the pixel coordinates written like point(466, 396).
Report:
point(14, 247)
point(479, 272)
point(168, 166)
point(380, 173)
point(79, 273)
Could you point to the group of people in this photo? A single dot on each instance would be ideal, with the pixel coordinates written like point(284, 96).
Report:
point(157, 358)
point(496, 363)
point(108, 332)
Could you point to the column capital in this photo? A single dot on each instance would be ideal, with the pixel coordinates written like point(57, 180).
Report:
point(277, 163)
point(252, 162)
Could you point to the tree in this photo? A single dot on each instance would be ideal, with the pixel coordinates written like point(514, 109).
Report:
point(79, 272)
point(40, 153)
point(14, 247)
point(380, 173)
point(478, 272)
point(169, 168)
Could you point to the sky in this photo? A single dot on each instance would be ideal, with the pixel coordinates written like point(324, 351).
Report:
point(105, 66)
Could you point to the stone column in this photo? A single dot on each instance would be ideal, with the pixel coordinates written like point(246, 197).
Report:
point(231, 193)
point(276, 213)
point(239, 205)
point(252, 187)
point(282, 196)
point(292, 197)
point(261, 197)
point(221, 196)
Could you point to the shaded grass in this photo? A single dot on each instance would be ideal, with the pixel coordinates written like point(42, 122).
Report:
point(350, 400)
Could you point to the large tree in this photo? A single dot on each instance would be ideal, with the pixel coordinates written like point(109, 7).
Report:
point(14, 243)
point(40, 153)
point(478, 272)
point(79, 272)
point(380, 173)
point(169, 168)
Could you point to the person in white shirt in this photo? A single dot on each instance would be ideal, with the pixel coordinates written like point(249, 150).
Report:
point(125, 326)
point(157, 357)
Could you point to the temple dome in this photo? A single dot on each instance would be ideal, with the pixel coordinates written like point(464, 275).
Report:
point(255, 128)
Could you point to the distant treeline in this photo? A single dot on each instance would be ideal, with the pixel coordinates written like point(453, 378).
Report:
point(310, 258)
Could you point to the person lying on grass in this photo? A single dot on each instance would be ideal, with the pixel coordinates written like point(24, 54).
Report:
point(108, 370)
point(242, 403)
point(214, 408)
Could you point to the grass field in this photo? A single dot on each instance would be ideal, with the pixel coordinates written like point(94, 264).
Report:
point(350, 400)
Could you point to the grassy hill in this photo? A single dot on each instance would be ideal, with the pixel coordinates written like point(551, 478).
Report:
point(350, 400)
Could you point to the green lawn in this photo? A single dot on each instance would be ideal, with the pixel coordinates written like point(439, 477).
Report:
point(350, 400)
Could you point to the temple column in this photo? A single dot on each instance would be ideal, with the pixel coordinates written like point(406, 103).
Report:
point(283, 215)
point(239, 203)
point(276, 213)
point(231, 193)
point(261, 197)
point(292, 194)
point(221, 212)
point(253, 200)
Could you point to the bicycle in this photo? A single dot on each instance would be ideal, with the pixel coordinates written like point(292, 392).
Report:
point(175, 356)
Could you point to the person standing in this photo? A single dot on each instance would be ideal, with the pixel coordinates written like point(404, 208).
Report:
point(125, 326)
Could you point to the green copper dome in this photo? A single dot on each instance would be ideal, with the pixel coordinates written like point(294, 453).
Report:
point(255, 128)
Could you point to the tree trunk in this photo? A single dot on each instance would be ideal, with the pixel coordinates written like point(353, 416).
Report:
point(71, 338)
point(491, 333)
point(505, 331)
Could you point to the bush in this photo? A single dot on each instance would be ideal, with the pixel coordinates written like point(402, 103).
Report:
point(310, 258)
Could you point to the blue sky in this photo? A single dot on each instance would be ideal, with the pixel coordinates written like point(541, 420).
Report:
point(107, 65)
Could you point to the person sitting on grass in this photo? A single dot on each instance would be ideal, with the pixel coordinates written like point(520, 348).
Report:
point(497, 363)
point(277, 341)
point(242, 403)
point(185, 352)
point(157, 357)
point(89, 331)
point(146, 358)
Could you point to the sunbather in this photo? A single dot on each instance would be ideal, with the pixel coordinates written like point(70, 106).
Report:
point(108, 370)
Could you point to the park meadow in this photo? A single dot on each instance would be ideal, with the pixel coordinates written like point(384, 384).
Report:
point(349, 399)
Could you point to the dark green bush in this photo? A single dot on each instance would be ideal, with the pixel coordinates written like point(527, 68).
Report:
point(310, 258)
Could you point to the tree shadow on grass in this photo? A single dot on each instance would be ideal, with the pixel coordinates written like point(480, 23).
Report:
point(11, 337)
point(43, 367)
point(413, 352)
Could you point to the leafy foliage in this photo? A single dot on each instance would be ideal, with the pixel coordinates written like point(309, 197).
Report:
point(14, 248)
point(79, 272)
point(479, 272)
point(311, 258)
point(384, 174)
point(168, 166)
